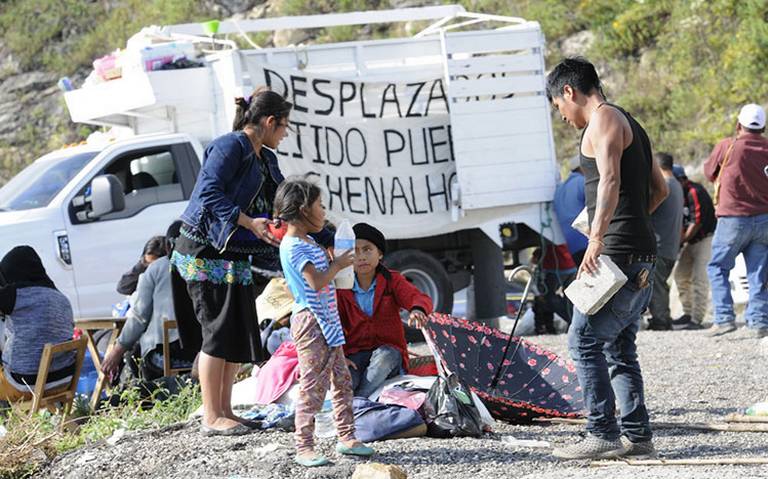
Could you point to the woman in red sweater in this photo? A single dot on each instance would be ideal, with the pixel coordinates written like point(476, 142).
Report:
point(370, 314)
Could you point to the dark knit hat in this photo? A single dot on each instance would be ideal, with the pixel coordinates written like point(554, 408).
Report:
point(368, 232)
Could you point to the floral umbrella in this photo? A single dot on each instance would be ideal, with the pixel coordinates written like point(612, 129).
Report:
point(532, 382)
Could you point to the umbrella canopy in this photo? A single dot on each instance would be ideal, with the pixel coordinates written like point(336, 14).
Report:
point(532, 382)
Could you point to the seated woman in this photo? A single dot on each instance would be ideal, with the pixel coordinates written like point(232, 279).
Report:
point(370, 314)
point(154, 248)
point(37, 313)
point(151, 305)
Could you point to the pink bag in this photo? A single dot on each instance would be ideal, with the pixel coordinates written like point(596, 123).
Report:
point(401, 397)
point(277, 376)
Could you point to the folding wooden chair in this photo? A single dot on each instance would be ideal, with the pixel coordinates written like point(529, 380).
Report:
point(65, 396)
point(168, 369)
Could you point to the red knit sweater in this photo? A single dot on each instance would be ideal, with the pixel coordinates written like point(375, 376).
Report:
point(366, 333)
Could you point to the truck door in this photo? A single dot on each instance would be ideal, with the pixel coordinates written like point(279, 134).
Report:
point(157, 184)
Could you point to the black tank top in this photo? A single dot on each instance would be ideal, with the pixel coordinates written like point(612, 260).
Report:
point(630, 230)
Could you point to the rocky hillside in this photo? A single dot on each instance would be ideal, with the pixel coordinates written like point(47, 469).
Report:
point(682, 68)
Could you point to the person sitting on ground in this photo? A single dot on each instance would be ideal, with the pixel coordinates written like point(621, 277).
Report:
point(273, 308)
point(154, 249)
point(38, 314)
point(151, 305)
point(370, 314)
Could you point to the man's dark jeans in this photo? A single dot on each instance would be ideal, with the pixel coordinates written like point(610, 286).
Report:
point(659, 305)
point(603, 348)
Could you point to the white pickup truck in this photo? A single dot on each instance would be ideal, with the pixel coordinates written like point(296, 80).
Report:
point(88, 210)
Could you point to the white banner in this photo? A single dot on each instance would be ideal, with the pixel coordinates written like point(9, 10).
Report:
point(381, 151)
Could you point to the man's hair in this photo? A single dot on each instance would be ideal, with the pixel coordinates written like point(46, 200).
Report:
point(576, 72)
point(753, 130)
point(665, 160)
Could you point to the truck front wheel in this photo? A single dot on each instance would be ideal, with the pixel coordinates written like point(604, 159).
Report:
point(426, 273)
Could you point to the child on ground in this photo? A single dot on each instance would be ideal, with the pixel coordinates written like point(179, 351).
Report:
point(315, 325)
point(370, 314)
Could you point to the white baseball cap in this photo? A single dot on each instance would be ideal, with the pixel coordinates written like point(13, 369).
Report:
point(752, 116)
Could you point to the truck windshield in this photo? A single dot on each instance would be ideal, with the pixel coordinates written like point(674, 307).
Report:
point(38, 183)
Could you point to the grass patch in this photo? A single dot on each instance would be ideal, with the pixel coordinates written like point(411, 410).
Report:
point(32, 441)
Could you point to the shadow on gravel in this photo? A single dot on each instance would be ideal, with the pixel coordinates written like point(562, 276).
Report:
point(704, 451)
point(711, 411)
point(446, 455)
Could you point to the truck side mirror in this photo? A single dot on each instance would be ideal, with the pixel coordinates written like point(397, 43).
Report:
point(106, 196)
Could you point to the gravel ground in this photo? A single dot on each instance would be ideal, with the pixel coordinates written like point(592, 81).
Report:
point(689, 377)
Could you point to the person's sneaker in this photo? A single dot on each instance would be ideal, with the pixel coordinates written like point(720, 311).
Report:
point(685, 323)
point(591, 447)
point(638, 450)
point(720, 329)
point(657, 325)
point(760, 333)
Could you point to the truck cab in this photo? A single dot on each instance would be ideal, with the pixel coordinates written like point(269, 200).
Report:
point(88, 209)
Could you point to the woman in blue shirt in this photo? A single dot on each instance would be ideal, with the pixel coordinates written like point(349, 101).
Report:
point(225, 230)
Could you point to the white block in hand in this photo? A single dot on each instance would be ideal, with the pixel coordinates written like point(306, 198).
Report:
point(581, 223)
point(590, 293)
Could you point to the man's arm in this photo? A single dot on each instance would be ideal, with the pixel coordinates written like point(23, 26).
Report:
point(712, 165)
point(695, 214)
point(659, 188)
point(607, 138)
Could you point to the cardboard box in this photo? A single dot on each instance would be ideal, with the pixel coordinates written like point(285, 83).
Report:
point(590, 293)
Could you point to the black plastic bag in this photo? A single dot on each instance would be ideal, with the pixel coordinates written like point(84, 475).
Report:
point(449, 410)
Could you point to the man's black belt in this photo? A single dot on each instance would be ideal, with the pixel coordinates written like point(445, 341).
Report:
point(632, 258)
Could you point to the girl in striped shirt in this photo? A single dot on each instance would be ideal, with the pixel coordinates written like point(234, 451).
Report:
point(315, 325)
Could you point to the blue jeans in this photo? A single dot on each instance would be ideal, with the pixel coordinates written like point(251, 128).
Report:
point(603, 348)
point(747, 235)
point(373, 368)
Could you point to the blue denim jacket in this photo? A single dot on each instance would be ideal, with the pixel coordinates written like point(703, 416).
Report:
point(226, 185)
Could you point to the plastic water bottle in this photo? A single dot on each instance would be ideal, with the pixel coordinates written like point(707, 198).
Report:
point(758, 409)
point(344, 241)
point(324, 425)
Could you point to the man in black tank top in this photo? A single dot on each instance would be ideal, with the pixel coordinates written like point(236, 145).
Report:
point(623, 186)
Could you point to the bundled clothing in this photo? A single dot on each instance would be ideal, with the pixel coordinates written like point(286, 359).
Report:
point(277, 376)
point(372, 324)
point(318, 336)
point(38, 313)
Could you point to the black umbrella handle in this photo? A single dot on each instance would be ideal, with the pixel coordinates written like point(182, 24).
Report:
point(526, 290)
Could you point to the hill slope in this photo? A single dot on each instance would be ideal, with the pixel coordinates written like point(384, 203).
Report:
point(683, 68)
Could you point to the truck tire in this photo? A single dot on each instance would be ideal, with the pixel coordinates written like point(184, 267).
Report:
point(426, 273)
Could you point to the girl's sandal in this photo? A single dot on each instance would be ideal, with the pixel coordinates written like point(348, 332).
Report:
point(361, 450)
point(311, 461)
